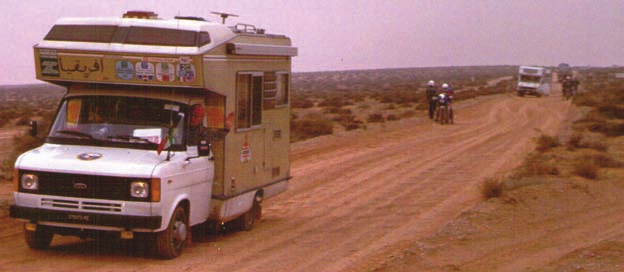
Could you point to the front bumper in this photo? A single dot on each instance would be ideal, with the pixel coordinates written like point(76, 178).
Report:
point(85, 218)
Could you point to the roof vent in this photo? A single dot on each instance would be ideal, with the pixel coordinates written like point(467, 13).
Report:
point(137, 14)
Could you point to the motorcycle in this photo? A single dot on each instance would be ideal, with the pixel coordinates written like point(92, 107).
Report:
point(444, 111)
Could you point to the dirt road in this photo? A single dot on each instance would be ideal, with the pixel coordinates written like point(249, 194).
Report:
point(357, 199)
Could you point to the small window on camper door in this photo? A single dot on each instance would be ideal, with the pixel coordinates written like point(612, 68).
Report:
point(249, 100)
point(283, 83)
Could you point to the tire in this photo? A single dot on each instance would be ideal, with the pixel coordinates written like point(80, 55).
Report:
point(39, 238)
point(451, 115)
point(246, 221)
point(170, 242)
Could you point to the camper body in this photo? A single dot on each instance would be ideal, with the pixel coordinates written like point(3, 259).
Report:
point(119, 157)
point(532, 81)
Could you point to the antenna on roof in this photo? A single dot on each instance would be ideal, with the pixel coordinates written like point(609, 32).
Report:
point(224, 15)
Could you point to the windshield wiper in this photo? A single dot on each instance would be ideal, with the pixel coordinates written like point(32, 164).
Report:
point(75, 133)
point(130, 138)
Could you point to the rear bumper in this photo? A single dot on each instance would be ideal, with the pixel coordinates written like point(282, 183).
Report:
point(86, 219)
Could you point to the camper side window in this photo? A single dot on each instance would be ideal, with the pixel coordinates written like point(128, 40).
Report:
point(282, 88)
point(249, 100)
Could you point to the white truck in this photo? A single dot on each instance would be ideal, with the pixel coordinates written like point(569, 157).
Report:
point(532, 81)
point(121, 155)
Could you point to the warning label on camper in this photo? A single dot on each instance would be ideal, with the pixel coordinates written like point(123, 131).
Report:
point(245, 154)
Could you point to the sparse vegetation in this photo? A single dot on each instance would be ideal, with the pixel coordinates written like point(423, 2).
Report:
point(586, 151)
point(546, 142)
point(386, 95)
point(491, 188)
point(310, 126)
point(21, 103)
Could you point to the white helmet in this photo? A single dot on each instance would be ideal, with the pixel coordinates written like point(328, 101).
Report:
point(431, 83)
point(445, 86)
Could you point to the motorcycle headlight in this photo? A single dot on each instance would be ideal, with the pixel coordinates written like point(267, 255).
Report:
point(139, 189)
point(30, 182)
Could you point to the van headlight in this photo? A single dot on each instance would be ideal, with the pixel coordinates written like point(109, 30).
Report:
point(139, 189)
point(30, 181)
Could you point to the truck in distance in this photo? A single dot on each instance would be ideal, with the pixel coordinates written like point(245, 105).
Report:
point(532, 81)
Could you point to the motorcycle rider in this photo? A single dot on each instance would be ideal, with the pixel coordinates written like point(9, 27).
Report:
point(569, 86)
point(448, 92)
point(446, 89)
point(430, 94)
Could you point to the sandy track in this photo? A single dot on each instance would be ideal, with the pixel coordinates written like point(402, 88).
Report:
point(353, 196)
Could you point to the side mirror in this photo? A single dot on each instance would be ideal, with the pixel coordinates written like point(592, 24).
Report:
point(203, 148)
point(32, 128)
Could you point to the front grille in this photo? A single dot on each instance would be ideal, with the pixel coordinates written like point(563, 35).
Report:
point(83, 186)
point(81, 205)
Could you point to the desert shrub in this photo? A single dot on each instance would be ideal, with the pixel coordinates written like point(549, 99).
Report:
point(332, 109)
point(364, 106)
point(602, 160)
point(301, 103)
point(614, 129)
point(391, 106)
point(491, 188)
point(375, 118)
point(536, 164)
point(310, 126)
point(574, 142)
point(586, 168)
point(577, 141)
point(335, 101)
point(408, 114)
point(546, 142)
point(393, 117)
point(587, 99)
point(611, 111)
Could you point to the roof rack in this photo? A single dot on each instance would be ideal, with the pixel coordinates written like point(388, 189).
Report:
point(247, 28)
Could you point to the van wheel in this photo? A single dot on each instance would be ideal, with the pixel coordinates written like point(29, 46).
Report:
point(247, 220)
point(38, 239)
point(171, 240)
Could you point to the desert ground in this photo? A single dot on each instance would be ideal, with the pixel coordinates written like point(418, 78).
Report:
point(396, 196)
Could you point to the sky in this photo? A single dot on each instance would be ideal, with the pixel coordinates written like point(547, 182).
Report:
point(366, 34)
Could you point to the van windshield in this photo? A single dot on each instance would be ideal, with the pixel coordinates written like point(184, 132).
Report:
point(142, 122)
point(534, 79)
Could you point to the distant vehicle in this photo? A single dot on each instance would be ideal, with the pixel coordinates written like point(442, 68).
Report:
point(532, 81)
point(563, 70)
point(124, 156)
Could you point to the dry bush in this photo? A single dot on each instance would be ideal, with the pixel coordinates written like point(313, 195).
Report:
point(310, 126)
point(593, 142)
point(574, 142)
point(546, 142)
point(601, 160)
point(491, 188)
point(586, 168)
point(349, 121)
point(301, 103)
point(393, 117)
point(408, 114)
point(611, 111)
point(614, 129)
point(375, 118)
point(536, 164)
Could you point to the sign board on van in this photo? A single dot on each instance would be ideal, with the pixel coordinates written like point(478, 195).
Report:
point(56, 65)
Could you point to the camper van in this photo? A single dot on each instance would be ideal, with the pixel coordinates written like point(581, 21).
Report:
point(533, 81)
point(165, 124)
